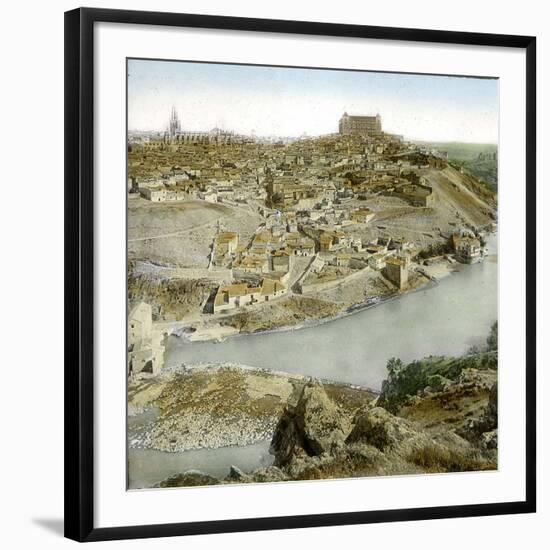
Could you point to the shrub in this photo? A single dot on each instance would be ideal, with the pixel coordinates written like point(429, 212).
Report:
point(435, 458)
point(404, 381)
point(492, 339)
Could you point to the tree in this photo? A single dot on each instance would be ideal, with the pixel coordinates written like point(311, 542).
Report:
point(394, 366)
point(492, 340)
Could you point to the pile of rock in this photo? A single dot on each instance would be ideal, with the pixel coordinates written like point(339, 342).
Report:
point(315, 440)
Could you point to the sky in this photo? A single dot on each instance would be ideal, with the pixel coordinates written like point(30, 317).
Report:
point(274, 101)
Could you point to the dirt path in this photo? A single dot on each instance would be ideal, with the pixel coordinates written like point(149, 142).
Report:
point(177, 233)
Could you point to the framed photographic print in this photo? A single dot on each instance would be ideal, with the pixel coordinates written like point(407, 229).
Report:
point(300, 274)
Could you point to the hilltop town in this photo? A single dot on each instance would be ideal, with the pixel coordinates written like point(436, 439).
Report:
point(230, 233)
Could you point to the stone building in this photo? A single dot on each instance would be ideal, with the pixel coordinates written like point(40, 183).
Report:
point(397, 271)
point(362, 215)
point(280, 260)
point(226, 242)
point(162, 194)
point(334, 240)
point(285, 191)
point(145, 348)
point(467, 248)
point(417, 194)
point(235, 296)
point(360, 125)
point(238, 295)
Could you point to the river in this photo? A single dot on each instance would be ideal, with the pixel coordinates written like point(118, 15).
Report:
point(443, 319)
point(147, 467)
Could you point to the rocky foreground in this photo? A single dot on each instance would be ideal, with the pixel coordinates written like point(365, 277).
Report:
point(448, 424)
point(220, 405)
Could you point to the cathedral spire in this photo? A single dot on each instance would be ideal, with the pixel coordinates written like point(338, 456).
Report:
point(174, 127)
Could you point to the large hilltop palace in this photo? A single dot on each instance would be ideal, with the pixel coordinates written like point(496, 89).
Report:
point(360, 125)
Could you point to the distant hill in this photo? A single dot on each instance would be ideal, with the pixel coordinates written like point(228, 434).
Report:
point(479, 159)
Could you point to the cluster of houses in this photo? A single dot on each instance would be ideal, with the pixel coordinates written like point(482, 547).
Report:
point(308, 192)
point(263, 264)
point(375, 255)
point(301, 174)
point(237, 295)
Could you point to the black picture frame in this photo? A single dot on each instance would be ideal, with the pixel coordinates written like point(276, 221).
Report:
point(79, 270)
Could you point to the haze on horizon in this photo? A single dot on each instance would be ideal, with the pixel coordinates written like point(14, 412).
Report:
point(291, 102)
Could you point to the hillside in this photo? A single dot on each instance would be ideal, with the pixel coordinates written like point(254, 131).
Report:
point(478, 159)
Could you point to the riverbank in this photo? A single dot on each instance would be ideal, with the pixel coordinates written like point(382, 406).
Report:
point(298, 312)
point(216, 405)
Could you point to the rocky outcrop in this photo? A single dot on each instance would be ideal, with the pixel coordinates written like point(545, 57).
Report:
point(263, 475)
point(311, 428)
point(221, 405)
point(314, 441)
point(269, 474)
point(379, 428)
point(449, 427)
point(483, 431)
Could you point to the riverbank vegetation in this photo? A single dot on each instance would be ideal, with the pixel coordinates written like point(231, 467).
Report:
point(429, 374)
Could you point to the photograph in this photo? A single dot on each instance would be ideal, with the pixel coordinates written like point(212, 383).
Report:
point(312, 273)
point(292, 267)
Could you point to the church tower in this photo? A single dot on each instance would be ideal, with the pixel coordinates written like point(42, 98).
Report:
point(174, 127)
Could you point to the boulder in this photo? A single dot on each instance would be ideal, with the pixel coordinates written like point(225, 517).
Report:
point(483, 430)
point(269, 474)
point(191, 478)
point(379, 428)
point(475, 379)
point(489, 440)
point(311, 428)
point(236, 474)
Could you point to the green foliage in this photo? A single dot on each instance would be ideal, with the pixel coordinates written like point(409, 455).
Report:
point(394, 366)
point(485, 172)
point(478, 159)
point(435, 249)
point(437, 382)
point(431, 371)
point(463, 151)
point(492, 339)
point(405, 381)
